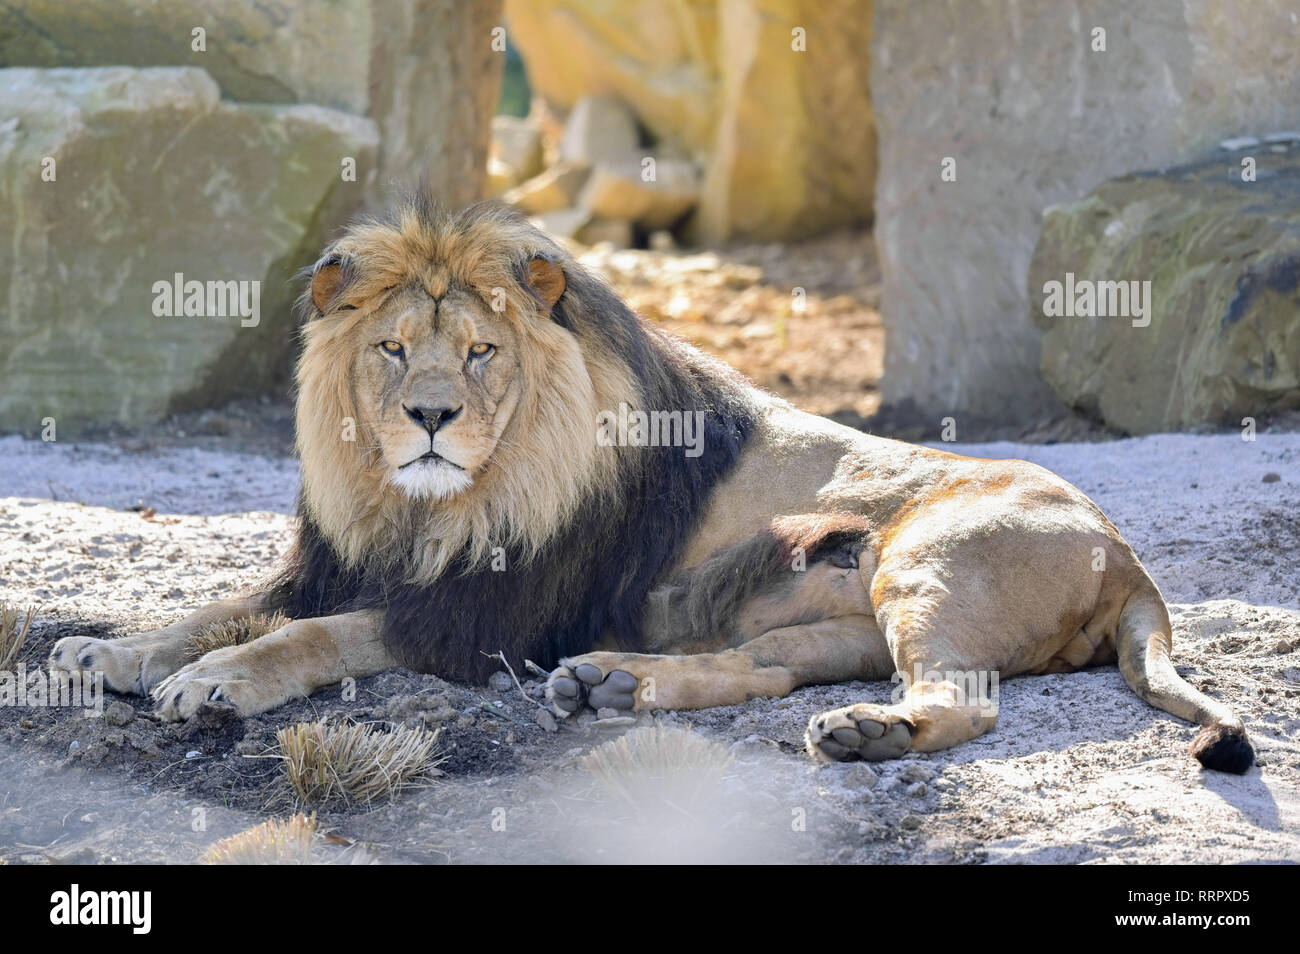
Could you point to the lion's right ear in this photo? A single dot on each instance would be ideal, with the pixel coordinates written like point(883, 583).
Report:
point(327, 277)
point(546, 279)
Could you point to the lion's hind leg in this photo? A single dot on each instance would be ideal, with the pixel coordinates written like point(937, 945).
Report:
point(932, 715)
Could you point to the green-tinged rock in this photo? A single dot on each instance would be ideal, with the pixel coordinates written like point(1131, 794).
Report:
point(424, 70)
point(115, 181)
point(1220, 339)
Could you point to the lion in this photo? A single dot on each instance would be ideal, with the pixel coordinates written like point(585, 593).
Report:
point(499, 456)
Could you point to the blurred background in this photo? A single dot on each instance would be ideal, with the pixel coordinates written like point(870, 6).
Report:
point(857, 203)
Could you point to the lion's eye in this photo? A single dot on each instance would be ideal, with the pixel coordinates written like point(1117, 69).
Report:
point(481, 350)
point(392, 347)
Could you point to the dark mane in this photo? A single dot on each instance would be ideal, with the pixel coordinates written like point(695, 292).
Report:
point(592, 578)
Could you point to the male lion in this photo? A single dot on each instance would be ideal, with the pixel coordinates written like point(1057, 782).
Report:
point(486, 501)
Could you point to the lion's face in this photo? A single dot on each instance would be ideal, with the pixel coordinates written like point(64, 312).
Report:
point(436, 382)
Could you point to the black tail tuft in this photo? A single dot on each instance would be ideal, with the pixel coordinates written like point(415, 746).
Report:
point(1223, 748)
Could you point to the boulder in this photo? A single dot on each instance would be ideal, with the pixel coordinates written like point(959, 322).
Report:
point(1214, 336)
point(600, 129)
point(769, 97)
point(556, 188)
point(616, 232)
point(410, 66)
point(563, 223)
point(516, 145)
point(114, 182)
point(1031, 115)
point(627, 190)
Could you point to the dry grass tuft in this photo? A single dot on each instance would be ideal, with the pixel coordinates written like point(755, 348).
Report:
point(273, 842)
point(355, 763)
point(660, 769)
point(13, 636)
point(235, 632)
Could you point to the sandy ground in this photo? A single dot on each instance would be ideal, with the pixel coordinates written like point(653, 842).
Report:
point(109, 540)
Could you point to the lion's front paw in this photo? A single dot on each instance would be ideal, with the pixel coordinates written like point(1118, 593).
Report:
point(120, 664)
point(578, 682)
point(861, 731)
point(214, 679)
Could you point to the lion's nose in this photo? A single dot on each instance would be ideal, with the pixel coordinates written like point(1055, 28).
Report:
point(432, 418)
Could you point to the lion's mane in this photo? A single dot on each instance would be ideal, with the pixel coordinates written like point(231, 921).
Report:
point(559, 540)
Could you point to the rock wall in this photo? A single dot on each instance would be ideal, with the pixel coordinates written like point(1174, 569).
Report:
point(1014, 93)
point(769, 97)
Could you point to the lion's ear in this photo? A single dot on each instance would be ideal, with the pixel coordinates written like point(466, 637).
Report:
point(546, 279)
point(326, 277)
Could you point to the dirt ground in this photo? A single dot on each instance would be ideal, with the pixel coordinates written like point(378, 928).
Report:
point(128, 531)
point(1077, 770)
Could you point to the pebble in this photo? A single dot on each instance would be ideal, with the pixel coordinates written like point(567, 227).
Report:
point(74, 746)
point(1272, 478)
point(500, 681)
point(615, 723)
point(193, 754)
point(607, 712)
point(1282, 646)
point(861, 775)
point(909, 822)
point(546, 720)
point(916, 772)
point(119, 713)
point(917, 790)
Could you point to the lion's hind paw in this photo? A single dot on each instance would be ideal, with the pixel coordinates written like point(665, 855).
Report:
point(861, 731)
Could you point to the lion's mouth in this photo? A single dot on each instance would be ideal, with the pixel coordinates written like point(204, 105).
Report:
point(431, 456)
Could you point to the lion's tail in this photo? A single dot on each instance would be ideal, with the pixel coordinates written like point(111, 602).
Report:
point(1144, 641)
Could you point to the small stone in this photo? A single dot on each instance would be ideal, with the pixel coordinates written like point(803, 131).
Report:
point(546, 720)
point(248, 747)
point(861, 775)
point(1272, 478)
point(607, 712)
point(917, 790)
point(74, 746)
point(909, 822)
point(615, 723)
point(500, 681)
point(1282, 646)
point(916, 772)
point(119, 713)
point(661, 240)
point(193, 754)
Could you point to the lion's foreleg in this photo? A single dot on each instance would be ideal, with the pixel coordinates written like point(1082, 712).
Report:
point(832, 650)
point(290, 663)
point(136, 664)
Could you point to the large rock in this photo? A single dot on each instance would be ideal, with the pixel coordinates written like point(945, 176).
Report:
point(1221, 338)
point(1012, 91)
point(424, 70)
point(785, 135)
point(154, 175)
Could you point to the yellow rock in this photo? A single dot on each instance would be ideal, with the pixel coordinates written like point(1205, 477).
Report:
point(769, 97)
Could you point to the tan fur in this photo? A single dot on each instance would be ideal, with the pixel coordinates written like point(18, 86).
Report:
point(953, 564)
